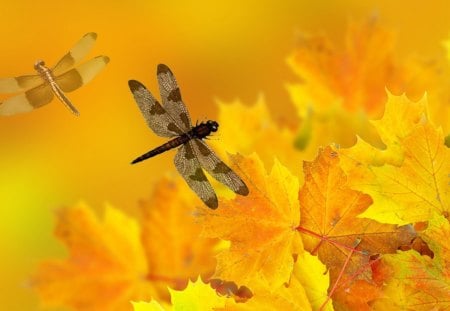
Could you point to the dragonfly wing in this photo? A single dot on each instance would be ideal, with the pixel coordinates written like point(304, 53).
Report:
point(77, 77)
point(217, 168)
point(154, 114)
point(171, 97)
point(27, 101)
point(17, 84)
point(76, 53)
point(188, 166)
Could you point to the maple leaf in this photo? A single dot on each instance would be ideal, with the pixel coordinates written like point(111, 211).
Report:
point(106, 266)
point(418, 188)
point(432, 76)
point(356, 76)
point(341, 89)
point(114, 261)
point(355, 295)
point(418, 282)
point(307, 289)
point(400, 117)
point(247, 129)
point(170, 236)
point(197, 296)
point(330, 224)
point(260, 226)
point(309, 271)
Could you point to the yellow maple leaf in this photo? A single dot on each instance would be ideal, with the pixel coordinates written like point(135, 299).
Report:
point(306, 290)
point(197, 296)
point(309, 271)
point(418, 282)
point(106, 266)
point(260, 226)
point(400, 117)
point(147, 306)
point(247, 129)
point(418, 188)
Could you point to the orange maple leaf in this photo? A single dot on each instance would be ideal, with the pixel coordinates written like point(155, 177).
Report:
point(170, 236)
point(113, 261)
point(260, 226)
point(330, 224)
point(106, 266)
point(356, 76)
point(340, 90)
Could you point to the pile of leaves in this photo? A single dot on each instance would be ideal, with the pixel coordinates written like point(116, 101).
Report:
point(354, 217)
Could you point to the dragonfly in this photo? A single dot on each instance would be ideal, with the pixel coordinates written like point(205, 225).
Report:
point(171, 119)
point(39, 89)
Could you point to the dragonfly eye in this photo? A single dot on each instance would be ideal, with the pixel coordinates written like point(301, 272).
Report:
point(39, 63)
point(213, 125)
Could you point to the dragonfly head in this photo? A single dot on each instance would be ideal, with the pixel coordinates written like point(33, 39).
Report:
point(212, 125)
point(39, 63)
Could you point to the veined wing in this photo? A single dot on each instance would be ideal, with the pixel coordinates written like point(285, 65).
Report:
point(18, 84)
point(80, 75)
point(171, 97)
point(76, 53)
point(188, 166)
point(217, 168)
point(27, 101)
point(154, 114)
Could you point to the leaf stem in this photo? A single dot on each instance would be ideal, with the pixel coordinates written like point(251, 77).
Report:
point(327, 239)
point(340, 274)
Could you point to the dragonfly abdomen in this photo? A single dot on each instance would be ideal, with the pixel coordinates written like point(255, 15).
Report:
point(177, 141)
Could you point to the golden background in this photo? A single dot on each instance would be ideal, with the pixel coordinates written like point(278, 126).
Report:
point(226, 50)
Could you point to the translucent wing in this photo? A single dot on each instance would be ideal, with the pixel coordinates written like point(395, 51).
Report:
point(188, 166)
point(76, 77)
point(154, 114)
point(76, 53)
point(18, 84)
point(217, 168)
point(27, 101)
point(171, 97)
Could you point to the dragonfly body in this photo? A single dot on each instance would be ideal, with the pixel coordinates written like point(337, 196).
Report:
point(171, 119)
point(199, 131)
point(47, 75)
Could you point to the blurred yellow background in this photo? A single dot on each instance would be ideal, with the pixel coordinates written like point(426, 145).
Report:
point(229, 49)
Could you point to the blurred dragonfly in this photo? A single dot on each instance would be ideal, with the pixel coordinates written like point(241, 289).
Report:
point(171, 119)
point(38, 90)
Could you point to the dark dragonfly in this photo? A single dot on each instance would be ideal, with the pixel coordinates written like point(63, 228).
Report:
point(171, 119)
